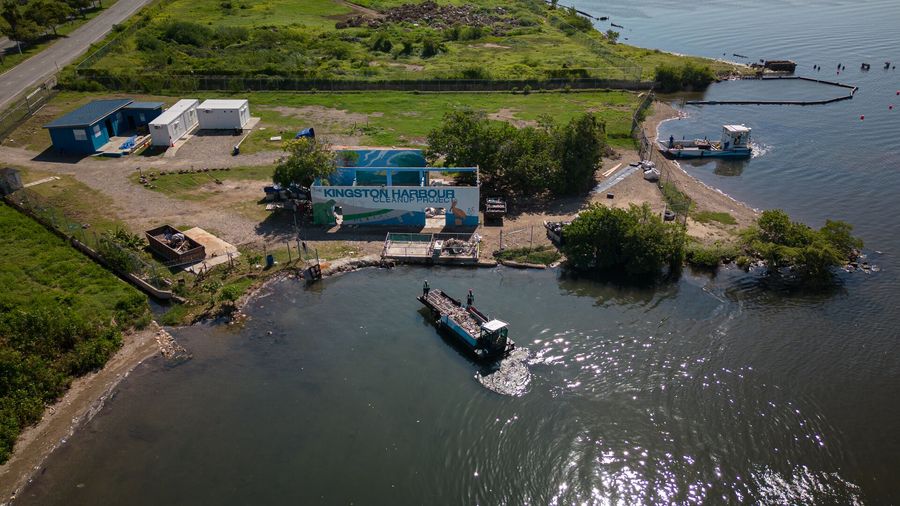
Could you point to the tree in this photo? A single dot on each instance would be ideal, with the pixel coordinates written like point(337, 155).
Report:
point(307, 161)
point(48, 13)
point(579, 147)
point(812, 254)
point(529, 161)
point(635, 240)
point(18, 27)
point(80, 6)
point(612, 36)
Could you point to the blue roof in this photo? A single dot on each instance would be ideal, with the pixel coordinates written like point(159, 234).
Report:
point(89, 114)
point(145, 105)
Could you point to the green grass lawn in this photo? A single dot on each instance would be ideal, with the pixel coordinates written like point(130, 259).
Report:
point(13, 58)
point(185, 186)
point(405, 118)
point(39, 266)
point(79, 203)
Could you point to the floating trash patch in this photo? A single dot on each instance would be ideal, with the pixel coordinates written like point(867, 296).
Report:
point(511, 378)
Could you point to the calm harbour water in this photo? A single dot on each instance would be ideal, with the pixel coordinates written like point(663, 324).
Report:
point(710, 389)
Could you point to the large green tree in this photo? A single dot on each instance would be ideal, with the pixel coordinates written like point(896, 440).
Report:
point(18, 26)
point(306, 161)
point(48, 14)
point(524, 162)
point(634, 240)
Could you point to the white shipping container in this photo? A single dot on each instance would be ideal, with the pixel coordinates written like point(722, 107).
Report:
point(224, 114)
point(174, 123)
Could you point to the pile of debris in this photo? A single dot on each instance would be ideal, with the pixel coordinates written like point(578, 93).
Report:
point(460, 247)
point(177, 242)
point(436, 16)
point(169, 348)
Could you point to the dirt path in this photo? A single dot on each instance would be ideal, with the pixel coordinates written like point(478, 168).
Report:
point(141, 208)
point(81, 402)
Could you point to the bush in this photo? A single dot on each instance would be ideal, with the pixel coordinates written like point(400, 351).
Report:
point(635, 240)
point(187, 33)
point(381, 42)
point(812, 254)
point(544, 255)
point(686, 77)
point(431, 47)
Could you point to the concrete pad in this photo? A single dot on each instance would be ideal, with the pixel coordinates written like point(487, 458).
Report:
point(215, 247)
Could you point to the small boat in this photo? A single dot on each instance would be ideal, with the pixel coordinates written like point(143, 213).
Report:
point(616, 26)
point(735, 143)
point(484, 337)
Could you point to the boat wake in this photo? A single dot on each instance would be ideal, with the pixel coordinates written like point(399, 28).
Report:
point(758, 150)
point(511, 377)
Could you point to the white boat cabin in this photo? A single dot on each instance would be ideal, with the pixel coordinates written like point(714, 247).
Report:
point(735, 137)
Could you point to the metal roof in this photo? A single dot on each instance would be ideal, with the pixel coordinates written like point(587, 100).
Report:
point(175, 112)
point(89, 114)
point(736, 128)
point(494, 325)
point(222, 104)
point(145, 105)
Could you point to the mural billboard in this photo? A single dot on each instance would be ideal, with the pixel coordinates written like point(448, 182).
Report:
point(394, 205)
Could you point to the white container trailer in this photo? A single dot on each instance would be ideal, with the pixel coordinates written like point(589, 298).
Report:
point(224, 114)
point(174, 123)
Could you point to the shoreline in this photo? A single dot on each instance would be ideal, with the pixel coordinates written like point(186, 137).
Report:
point(84, 398)
point(87, 395)
point(706, 197)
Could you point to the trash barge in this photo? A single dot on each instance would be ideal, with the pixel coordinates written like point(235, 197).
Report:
point(484, 337)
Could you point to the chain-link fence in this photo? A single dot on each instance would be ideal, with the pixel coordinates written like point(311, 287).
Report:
point(15, 114)
point(100, 245)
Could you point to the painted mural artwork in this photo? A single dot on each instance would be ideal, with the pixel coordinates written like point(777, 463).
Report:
point(367, 192)
point(395, 205)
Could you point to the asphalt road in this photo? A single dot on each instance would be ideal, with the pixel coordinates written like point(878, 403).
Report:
point(37, 68)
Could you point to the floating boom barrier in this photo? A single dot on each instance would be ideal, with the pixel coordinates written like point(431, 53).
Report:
point(850, 87)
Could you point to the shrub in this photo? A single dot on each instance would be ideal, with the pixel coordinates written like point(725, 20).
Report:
point(686, 77)
point(185, 32)
point(381, 42)
point(430, 47)
point(634, 239)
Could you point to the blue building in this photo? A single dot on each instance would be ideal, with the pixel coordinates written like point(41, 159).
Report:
point(86, 129)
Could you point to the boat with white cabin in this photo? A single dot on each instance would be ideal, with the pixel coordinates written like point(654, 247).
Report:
point(735, 143)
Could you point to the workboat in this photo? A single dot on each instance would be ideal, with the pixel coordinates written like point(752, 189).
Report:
point(484, 337)
point(735, 143)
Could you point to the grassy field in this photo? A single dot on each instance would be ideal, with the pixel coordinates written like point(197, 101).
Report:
point(12, 56)
point(77, 201)
point(384, 118)
point(41, 266)
point(404, 119)
point(186, 186)
point(510, 40)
